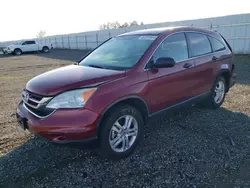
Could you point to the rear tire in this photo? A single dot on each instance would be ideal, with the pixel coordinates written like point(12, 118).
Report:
point(18, 52)
point(119, 139)
point(217, 95)
point(45, 49)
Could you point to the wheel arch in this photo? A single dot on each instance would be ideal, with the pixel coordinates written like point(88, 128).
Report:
point(226, 74)
point(17, 49)
point(134, 101)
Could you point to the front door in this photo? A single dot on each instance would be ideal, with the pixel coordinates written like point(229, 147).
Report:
point(32, 46)
point(176, 84)
point(25, 46)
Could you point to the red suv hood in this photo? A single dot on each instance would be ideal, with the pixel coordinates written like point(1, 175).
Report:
point(70, 77)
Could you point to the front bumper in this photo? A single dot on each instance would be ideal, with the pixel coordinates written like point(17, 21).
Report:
point(7, 51)
point(63, 126)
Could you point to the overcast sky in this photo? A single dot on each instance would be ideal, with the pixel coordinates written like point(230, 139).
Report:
point(24, 18)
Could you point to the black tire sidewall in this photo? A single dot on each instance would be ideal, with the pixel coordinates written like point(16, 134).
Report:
point(44, 48)
point(112, 116)
point(15, 52)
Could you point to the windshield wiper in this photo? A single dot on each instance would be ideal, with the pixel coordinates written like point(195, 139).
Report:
point(96, 66)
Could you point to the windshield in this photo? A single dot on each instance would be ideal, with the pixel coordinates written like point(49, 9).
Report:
point(119, 53)
point(19, 42)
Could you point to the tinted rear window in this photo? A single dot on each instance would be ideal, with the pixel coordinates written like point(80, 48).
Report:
point(216, 44)
point(199, 44)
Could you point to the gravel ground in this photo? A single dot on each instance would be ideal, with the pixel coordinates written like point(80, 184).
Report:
point(191, 148)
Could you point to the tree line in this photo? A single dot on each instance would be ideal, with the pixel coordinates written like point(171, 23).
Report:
point(116, 25)
point(108, 25)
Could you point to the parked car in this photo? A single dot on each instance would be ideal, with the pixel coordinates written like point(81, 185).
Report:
point(27, 46)
point(110, 94)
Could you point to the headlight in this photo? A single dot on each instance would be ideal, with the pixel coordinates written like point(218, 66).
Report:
point(71, 99)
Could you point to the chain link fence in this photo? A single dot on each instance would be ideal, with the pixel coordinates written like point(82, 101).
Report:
point(235, 28)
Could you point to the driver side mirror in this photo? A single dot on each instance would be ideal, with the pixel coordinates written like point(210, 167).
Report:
point(164, 62)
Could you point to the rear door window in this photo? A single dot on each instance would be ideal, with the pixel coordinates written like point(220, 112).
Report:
point(198, 44)
point(216, 44)
point(174, 46)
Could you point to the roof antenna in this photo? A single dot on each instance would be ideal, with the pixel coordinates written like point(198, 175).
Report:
point(211, 24)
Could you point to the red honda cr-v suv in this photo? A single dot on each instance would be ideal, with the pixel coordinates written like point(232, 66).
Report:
point(111, 92)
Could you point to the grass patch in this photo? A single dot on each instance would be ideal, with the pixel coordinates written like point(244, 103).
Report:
point(8, 77)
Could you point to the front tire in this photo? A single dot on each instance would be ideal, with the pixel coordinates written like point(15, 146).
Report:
point(18, 52)
point(218, 93)
point(121, 131)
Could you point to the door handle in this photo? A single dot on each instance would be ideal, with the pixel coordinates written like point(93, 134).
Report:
point(187, 65)
point(214, 58)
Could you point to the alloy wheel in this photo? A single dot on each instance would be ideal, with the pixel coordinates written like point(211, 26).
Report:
point(123, 133)
point(219, 92)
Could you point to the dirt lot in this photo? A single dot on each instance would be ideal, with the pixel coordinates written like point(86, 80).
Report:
point(192, 148)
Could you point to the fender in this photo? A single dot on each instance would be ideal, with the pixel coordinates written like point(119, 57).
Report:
point(17, 49)
point(113, 104)
point(223, 71)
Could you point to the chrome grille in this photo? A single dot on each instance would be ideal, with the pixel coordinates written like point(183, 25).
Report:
point(36, 104)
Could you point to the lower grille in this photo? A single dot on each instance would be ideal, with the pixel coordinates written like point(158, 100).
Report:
point(41, 113)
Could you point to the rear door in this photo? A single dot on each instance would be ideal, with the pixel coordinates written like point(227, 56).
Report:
point(201, 53)
point(170, 86)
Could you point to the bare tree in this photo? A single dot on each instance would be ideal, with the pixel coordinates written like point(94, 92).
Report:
point(41, 34)
point(125, 25)
point(116, 25)
point(134, 23)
